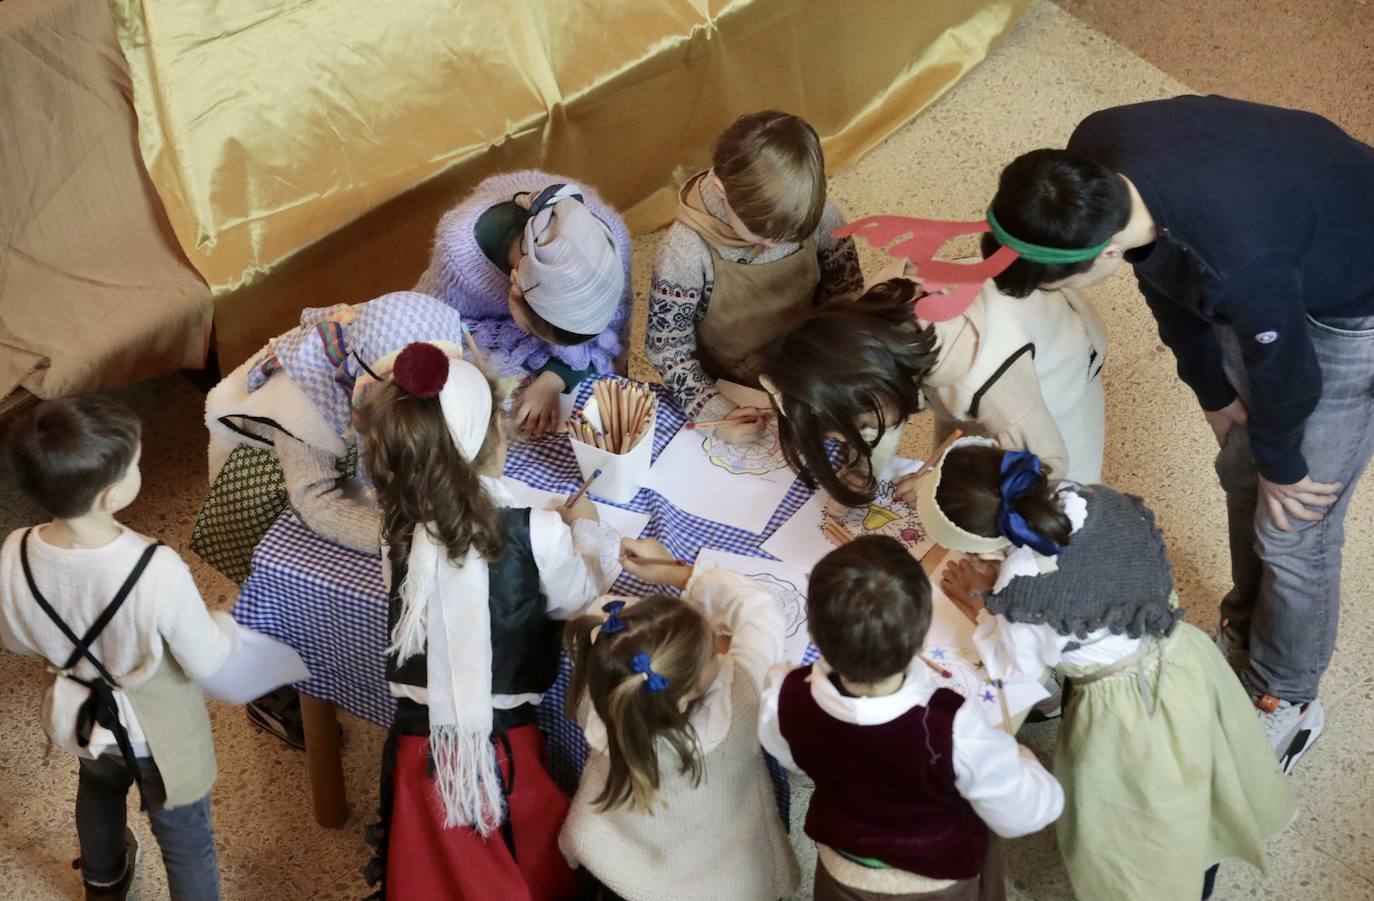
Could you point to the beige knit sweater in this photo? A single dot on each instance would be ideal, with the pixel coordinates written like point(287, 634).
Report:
point(719, 841)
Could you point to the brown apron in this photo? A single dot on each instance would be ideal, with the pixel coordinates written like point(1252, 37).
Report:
point(751, 304)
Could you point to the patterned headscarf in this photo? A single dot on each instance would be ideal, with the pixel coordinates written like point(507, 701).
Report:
point(332, 346)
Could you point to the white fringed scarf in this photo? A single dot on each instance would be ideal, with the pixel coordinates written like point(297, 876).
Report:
point(445, 614)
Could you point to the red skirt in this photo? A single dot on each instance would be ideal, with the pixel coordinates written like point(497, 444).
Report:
point(425, 860)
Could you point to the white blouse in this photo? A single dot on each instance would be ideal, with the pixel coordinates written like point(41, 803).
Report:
point(1003, 782)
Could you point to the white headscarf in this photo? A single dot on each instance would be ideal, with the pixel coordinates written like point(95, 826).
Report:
point(571, 273)
point(445, 612)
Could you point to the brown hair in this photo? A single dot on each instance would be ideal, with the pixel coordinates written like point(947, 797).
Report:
point(66, 452)
point(680, 643)
point(421, 477)
point(970, 494)
point(845, 360)
point(868, 608)
point(774, 174)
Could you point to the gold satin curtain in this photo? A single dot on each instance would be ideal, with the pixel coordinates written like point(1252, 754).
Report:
point(305, 150)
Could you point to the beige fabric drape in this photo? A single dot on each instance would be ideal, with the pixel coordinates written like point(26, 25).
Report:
point(304, 151)
point(94, 288)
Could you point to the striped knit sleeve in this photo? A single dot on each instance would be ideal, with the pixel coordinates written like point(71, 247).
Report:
point(841, 277)
point(679, 291)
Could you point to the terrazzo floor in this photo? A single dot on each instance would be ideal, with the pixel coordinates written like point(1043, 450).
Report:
point(1051, 71)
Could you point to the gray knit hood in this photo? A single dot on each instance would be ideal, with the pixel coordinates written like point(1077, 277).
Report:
point(1113, 574)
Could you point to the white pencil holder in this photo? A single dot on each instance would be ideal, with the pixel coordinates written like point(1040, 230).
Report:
point(621, 474)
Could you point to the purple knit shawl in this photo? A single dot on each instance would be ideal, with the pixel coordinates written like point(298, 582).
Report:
point(461, 275)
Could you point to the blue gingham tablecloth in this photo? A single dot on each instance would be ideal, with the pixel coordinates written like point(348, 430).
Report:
point(328, 602)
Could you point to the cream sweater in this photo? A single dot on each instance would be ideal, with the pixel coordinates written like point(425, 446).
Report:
point(721, 840)
point(164, 612)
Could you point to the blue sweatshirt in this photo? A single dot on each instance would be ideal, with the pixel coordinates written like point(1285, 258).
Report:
point(1265, 216)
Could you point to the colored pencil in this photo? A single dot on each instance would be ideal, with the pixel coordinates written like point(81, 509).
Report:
point(763, 415)
point(939, 670)
point(583, 490)
point(837, 533)
point(939, 453)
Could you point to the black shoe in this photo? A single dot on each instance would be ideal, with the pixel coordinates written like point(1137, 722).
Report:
point(126, 889)
point(279, 714)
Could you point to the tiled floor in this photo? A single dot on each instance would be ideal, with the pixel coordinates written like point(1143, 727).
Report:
point(1051, 71)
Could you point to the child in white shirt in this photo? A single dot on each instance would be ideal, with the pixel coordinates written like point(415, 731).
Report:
point(910, 780)
point(121, 620)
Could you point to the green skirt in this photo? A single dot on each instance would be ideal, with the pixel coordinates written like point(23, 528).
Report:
point(1152, 799)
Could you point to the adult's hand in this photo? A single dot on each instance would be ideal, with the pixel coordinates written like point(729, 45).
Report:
point(1297, 499)
point(1227, 418)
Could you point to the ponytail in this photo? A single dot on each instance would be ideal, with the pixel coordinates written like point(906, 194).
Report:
point(970, 495)
point(642, 700)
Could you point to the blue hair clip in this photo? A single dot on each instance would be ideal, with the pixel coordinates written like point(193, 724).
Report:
point(1020, 470)
point(613, 623)
point(652, 680)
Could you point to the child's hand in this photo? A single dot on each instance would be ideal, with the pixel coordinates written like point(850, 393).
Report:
point(648, 559)
point(537, 412)
point(746, 427)
point(907, 488)
point(966, 582)
point(583, 509)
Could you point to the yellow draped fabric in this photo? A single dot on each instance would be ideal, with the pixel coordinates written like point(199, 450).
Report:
point(268, 125)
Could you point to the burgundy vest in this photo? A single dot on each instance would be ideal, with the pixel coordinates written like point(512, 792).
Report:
point(885, 791)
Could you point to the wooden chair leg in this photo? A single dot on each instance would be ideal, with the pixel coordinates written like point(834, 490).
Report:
point(324, 762)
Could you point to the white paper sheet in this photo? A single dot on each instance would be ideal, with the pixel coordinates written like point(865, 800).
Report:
point(802, 540)
point(627, 522)
point(261, 664)
point(949, 642)
point(737, 484)
point(785, 581)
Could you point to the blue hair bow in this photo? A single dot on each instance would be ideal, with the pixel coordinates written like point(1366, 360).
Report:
point(613, 623)
point(652, 680)
point(1020, 471)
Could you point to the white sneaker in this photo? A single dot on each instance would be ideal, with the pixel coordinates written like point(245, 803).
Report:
point(1292, 728)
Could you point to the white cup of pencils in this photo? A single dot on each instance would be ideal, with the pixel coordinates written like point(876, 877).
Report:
point(614, 433)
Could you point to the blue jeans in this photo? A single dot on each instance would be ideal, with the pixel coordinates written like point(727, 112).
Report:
point(1285, 599)
point(183, 833)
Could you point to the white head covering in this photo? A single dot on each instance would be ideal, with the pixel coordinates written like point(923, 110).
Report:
point(571, 273)
point(940, 527)
point(445, 613)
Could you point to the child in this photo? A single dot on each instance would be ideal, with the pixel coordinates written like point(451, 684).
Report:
point(751, 252)
point(675, 801)
point(539, 267)
point(1024, 371)
point(909, 778)
point(477, 592)
point(1165, 768)
point(121, 621)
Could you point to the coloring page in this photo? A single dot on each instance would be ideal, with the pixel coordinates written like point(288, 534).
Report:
point(802, 540)
point(627, 522)
point(787, 583)
point(739, 485)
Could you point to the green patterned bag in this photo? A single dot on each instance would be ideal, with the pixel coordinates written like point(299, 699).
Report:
point(246, 498)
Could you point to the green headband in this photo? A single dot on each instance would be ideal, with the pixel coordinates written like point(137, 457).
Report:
point(1038, 253)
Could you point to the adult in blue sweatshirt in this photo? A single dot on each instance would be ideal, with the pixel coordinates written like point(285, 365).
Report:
point(1251, 232)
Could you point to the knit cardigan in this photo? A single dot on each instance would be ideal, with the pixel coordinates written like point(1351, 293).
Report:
point(460, 274)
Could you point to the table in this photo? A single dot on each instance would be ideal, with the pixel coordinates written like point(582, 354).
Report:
point(328, 603)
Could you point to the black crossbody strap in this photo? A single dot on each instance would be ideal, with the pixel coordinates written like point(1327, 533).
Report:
point(228, 423)
point(100, 708)
point(83, 644)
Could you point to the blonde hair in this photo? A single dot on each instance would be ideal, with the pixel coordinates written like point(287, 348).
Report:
point(680, 643)
point(773, 171)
